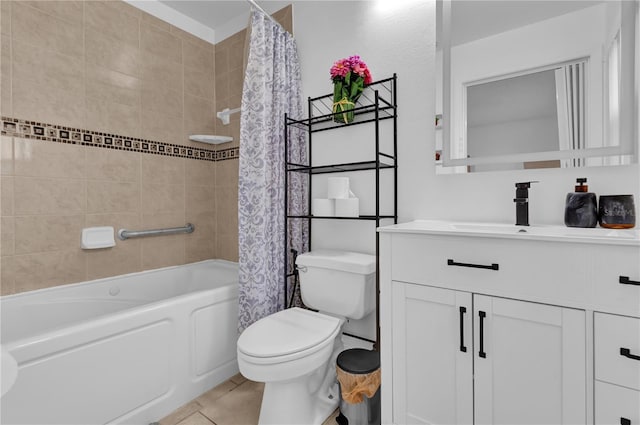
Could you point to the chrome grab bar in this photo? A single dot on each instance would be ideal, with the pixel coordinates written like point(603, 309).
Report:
point(126, 234)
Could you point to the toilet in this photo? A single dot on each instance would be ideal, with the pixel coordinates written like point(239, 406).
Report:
point(294, 351)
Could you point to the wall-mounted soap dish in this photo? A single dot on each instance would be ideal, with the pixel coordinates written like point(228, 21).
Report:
point(211, 139)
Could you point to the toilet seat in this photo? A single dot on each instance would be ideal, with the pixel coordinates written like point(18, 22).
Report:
point(288, 335)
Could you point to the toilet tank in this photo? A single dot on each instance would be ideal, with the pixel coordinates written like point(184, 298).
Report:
point(338, 282)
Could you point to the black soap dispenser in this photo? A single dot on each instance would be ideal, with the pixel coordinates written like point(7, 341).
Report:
point(581, 208)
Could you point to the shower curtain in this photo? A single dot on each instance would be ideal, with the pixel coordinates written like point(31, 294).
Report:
point(271, 89)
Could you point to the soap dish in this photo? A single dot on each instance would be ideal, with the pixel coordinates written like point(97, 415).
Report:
point(97, 237)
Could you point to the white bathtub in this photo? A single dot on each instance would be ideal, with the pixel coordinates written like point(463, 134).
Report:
point(128, 349)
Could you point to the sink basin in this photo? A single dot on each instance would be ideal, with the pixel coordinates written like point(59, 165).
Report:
point(8, 371)
point(545, 232)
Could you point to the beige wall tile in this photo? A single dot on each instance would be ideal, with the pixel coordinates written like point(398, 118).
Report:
point(222, 89)
point(227, 247)
point(43, 270)
point(159, 98)
point(227, 210)
point(160, 127)
point(6, 155)
point(35, 158)
point(200, 199)
point(160, 42)
point(111, 164)
point(48, 196)
point(113, 86)
point(7, 236)
point(5, 17)
point(199, 83)
point(112, 197)
point(112, 117)
point(200, 245)
point(222, 58)
point(200, 111)
point(195, 56)
point(158, 70)
point(163, 251)
point(201, 173)
point(236, 80)
point(7, 276)
point(45, 103)
point(6, 195)
point(185, 36)
point(41, 233)
point(44, 30)
point(227, 173)
point(48, 68)
point(236, 55)
point(163, 170)
point(112, 53)
point(152, 20)
point(161, 198)
point(5, 75)
point(66, 10)
point(107, 17)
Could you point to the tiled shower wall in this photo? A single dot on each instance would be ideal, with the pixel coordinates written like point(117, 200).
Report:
point(98, 99)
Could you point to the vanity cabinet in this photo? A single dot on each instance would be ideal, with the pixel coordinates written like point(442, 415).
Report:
point(528, 359)
point(486, 329)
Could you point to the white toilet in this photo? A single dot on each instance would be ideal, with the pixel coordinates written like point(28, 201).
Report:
point(294, 351)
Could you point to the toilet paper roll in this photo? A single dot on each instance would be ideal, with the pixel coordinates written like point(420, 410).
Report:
point(323, 207)
point(349, 207)
point(338, 187)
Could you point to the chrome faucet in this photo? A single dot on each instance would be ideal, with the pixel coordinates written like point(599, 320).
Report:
point(522, 203)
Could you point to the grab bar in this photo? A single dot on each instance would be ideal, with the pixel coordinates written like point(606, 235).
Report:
point(126, 234)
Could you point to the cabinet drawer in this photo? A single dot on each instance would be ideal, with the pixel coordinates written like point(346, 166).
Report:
point(610, 265)
point(616, 405)
point(524, 268)
point(617, 349)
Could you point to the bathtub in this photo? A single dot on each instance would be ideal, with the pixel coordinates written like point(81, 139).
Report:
point(128, 349)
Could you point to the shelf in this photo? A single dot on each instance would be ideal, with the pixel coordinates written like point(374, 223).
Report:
point(337, 168)
point(322, 114)
point(360, 217)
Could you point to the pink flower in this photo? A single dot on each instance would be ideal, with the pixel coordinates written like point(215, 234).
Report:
point(354, 64)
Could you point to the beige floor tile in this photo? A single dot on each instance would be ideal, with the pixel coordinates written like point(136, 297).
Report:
point(238, 379)
point(214, 394)
point(181, 413)
point(331, 420)
point(196, 419)
point(240, 406)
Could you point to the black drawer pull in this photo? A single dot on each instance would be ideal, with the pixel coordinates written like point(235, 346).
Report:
point(625, 421)
point(626, 281)
point(481, 352)
point(493, 266)
point(627, 353)
point(463, 310)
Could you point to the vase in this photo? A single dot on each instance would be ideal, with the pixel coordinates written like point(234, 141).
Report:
point(343, 110)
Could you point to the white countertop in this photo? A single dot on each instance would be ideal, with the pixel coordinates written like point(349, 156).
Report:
point(597, 235)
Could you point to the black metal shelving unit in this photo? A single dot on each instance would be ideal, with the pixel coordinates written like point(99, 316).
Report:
point(377, 103)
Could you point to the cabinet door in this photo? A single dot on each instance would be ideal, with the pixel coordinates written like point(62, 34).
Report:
point(530, 364)
point(432, 355)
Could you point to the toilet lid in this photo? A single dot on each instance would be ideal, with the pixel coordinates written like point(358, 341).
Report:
point(287, 332)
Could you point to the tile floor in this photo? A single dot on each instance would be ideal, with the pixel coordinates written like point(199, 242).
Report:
point(234, 402)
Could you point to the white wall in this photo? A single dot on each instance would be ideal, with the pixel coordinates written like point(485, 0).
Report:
point(403, 41)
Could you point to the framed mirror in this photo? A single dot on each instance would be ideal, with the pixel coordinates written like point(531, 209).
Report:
point(536, 84)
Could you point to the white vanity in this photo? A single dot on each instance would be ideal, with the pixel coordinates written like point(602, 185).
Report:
point(484, 324)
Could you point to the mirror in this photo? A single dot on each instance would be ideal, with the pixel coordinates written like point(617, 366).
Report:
point(535, 84)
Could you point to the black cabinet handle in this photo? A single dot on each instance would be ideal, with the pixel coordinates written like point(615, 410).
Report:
point(624, 280)
point(627, 353)
point(481, 352)
point(463, 310)
point(493, 266)
point(625, 421)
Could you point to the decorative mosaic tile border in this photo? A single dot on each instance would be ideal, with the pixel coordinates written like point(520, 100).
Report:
point(60, 134)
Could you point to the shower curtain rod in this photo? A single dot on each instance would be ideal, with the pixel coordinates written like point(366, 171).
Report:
point(255, 4)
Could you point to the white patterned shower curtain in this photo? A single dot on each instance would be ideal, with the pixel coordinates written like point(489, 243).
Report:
point(271, 89)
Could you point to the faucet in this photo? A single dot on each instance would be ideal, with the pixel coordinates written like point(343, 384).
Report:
point(522, 203)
